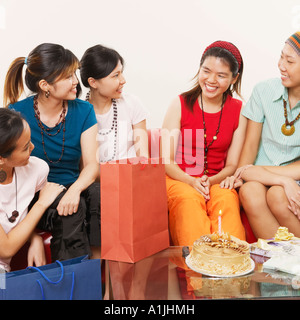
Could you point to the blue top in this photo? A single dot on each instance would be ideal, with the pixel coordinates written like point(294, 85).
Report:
point(80, 117)
point(266, 106)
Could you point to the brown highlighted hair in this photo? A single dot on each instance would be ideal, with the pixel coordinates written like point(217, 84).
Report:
point(227, 57)
point(48, 61)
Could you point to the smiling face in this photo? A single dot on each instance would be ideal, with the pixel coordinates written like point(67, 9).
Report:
point(20, 155)
point(65, 88)
point(215, 77)
point(289, 67)
point(110, 87)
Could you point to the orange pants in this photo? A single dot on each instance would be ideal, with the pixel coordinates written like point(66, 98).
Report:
point(190, 216)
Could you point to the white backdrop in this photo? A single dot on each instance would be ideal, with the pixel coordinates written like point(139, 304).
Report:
point(161, 40)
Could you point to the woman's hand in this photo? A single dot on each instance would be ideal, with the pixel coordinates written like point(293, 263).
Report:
point(231, 183)
point(202, 185)
point(36, 252)
point(239, 172)
point(69, 202)
point(236, 180)
point(295, 205)
point(49, 193)
point(292, 191)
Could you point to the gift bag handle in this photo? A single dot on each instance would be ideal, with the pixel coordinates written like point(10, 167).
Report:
point(72, 288)
point(54, 282)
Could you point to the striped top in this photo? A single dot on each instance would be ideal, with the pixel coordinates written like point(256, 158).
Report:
point(266, 106)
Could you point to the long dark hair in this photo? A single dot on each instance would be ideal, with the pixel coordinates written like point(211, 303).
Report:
point(11, 128)
point(98, 62)
point(192, 95)
point(48, 61)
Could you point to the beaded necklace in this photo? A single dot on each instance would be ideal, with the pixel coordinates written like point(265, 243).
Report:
point(215, 137)
point(114, 126)
point(48, 131)
point(288, 128)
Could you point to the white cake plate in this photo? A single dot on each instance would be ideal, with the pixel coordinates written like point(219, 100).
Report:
point(205, 273)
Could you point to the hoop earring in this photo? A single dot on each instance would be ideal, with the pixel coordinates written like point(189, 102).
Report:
point(47, 94)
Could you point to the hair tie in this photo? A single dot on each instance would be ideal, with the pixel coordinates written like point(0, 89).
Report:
point(229, 47)
point(26, 59)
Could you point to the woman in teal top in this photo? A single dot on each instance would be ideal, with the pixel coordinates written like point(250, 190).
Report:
point(79, 118)
point(271, 195)
point(64, 132)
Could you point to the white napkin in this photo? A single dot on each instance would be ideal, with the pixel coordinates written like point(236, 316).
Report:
point(285, 263)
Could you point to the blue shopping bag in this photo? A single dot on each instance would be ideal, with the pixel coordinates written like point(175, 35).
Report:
point(74, 279)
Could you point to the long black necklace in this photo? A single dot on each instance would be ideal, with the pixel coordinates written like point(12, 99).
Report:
point(15, 213)
point(215, 137)
point(114, 126)
point(48, 131)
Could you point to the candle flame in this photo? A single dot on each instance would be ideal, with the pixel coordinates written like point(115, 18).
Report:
point(220, 212)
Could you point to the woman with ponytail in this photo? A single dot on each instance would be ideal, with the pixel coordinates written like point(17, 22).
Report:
point(64, 132)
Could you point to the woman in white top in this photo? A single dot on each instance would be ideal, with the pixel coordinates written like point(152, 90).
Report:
point(21, 176)
point(121, 117)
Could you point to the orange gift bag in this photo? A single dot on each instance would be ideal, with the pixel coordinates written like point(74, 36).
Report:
point(134, 210)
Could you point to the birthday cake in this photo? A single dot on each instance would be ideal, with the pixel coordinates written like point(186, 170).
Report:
point(218, 255)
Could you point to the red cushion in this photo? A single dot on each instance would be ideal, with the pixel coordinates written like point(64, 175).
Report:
point(19, 260)
point(250, 237)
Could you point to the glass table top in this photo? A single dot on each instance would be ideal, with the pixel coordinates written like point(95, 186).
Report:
point(165, 276)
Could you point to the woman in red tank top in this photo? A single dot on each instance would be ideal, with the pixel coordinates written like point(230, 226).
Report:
point(202, 137)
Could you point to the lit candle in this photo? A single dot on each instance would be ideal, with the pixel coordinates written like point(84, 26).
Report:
point(220, 222)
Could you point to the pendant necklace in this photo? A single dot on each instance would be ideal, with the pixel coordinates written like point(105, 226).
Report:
point(288, 128)
point(15, 213)
point(215, 137)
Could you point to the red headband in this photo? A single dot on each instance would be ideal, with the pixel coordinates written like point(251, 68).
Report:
point(229, 47)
